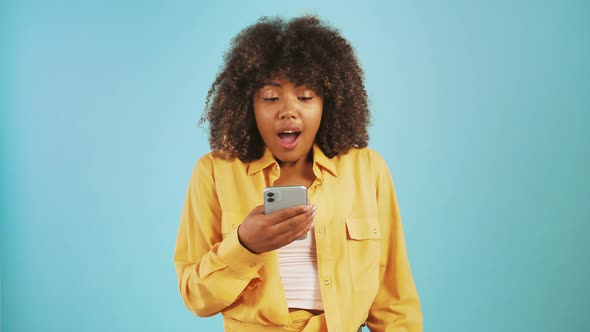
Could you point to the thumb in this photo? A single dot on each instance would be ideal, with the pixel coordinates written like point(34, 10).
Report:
point(257, 210)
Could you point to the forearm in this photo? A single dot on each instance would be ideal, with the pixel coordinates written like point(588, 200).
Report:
point(394, 314)
point(219, 278)
point(396, 306)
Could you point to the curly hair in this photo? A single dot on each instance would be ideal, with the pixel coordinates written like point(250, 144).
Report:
point(306, 52)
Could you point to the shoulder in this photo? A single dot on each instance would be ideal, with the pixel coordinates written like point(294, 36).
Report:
point(363, 157)
point(216, 158)
point(212, 161)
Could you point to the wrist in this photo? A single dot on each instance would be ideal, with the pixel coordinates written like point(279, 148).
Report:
point(242, 242)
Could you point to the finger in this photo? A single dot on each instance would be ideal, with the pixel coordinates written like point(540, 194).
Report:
point(288, 225)
point(290, 212)
point(295, 233)
point(257, 210)
point(304, 231)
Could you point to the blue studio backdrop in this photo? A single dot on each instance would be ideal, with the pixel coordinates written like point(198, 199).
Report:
point(480, 108)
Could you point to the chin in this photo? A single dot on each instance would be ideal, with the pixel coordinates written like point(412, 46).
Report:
point(287, 157)
point(291, 156)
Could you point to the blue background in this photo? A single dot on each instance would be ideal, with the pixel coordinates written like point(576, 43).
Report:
point(481, 109)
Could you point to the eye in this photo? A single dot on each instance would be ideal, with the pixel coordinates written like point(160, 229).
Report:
point(305, 98)
point(271, 99)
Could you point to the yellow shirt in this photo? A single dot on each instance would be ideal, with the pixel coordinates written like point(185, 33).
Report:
point(361, 253)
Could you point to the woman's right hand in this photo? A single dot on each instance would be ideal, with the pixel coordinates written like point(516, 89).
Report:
point(261, 233)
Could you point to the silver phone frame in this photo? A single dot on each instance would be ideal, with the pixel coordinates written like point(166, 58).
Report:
point(283, 197)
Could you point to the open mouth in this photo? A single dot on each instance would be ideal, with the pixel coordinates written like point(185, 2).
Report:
point(289, 138)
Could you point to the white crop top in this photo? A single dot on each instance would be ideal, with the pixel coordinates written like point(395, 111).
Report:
point(299, 274)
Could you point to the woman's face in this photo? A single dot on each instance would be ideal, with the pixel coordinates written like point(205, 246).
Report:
point(288, 118)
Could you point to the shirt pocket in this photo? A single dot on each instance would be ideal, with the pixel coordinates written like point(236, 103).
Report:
point(364, 250)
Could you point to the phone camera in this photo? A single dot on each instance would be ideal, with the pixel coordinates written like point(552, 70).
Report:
point(270, 199)
point(270, 194)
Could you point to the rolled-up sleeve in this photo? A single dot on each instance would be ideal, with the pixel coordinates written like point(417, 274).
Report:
point(212, 271)
point(396, 306)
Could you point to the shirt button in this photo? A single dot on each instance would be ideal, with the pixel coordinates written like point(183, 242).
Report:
point(252, 264)
point(374, 230)
point(327, 282)
point(234, 226)
point(322, 230)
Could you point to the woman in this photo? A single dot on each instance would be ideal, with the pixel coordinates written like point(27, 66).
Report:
point(289, 108)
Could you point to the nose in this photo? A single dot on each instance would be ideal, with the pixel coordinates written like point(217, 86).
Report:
point(288, 111)
point(288, 114)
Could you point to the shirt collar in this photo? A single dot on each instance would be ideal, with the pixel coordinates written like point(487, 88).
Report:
point(257, 165)
point(321, 159)
point(268, 159)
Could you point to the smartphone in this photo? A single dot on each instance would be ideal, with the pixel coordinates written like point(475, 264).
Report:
point(281, 197)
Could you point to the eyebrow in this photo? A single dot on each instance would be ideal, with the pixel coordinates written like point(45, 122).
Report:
point(273, 83)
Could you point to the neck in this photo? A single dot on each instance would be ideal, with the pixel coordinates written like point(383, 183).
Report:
point(297, 166)
point(298, 172)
